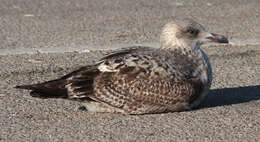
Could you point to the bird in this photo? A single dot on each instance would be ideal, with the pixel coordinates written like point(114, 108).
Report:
point(140, 79)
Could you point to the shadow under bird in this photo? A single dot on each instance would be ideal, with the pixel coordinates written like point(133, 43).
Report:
point(142, 80)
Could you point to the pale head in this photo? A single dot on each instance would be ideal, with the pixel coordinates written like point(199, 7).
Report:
point(186, 33)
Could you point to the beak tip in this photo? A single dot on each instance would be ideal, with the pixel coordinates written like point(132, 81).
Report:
point(223, 39)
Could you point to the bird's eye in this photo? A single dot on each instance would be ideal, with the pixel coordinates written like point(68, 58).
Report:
point(192, 32)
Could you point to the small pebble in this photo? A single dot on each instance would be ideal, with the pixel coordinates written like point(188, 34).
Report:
point(2, 95)
point(179, 4)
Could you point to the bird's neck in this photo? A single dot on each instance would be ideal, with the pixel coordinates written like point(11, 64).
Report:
point(191, 46)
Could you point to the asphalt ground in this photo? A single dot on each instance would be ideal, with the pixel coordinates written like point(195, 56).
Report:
point(230, 112)
point(59, 23)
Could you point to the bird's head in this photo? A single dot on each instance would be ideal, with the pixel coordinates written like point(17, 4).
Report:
point(187, 33)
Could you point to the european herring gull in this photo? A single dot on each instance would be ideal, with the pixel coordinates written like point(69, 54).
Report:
point(142, 80)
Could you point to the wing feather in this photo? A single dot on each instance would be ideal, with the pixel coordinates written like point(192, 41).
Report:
point(142, 82)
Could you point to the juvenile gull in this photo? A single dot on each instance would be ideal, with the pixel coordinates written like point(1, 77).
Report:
point(141, 80)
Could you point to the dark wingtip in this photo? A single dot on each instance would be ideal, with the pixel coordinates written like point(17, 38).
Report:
point(28, 87)
point(17, 87)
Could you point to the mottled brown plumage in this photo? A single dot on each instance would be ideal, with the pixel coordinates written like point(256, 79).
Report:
point(139, 80)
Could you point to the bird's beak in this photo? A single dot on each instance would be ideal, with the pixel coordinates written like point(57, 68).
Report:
point(211, 37)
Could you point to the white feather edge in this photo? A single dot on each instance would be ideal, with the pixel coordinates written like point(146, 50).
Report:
point(105, 68)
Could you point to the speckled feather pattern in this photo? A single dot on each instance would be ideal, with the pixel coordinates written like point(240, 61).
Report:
point(142, 80)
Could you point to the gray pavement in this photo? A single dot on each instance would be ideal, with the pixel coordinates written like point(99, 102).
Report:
point(59, 23)
point(42, 40)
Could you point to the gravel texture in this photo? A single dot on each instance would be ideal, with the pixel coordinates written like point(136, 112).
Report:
point(59, 23)
point(231, 111)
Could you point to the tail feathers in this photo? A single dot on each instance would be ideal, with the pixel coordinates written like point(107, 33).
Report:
point(77, 84)
point(27, 87)
point(51, 89)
